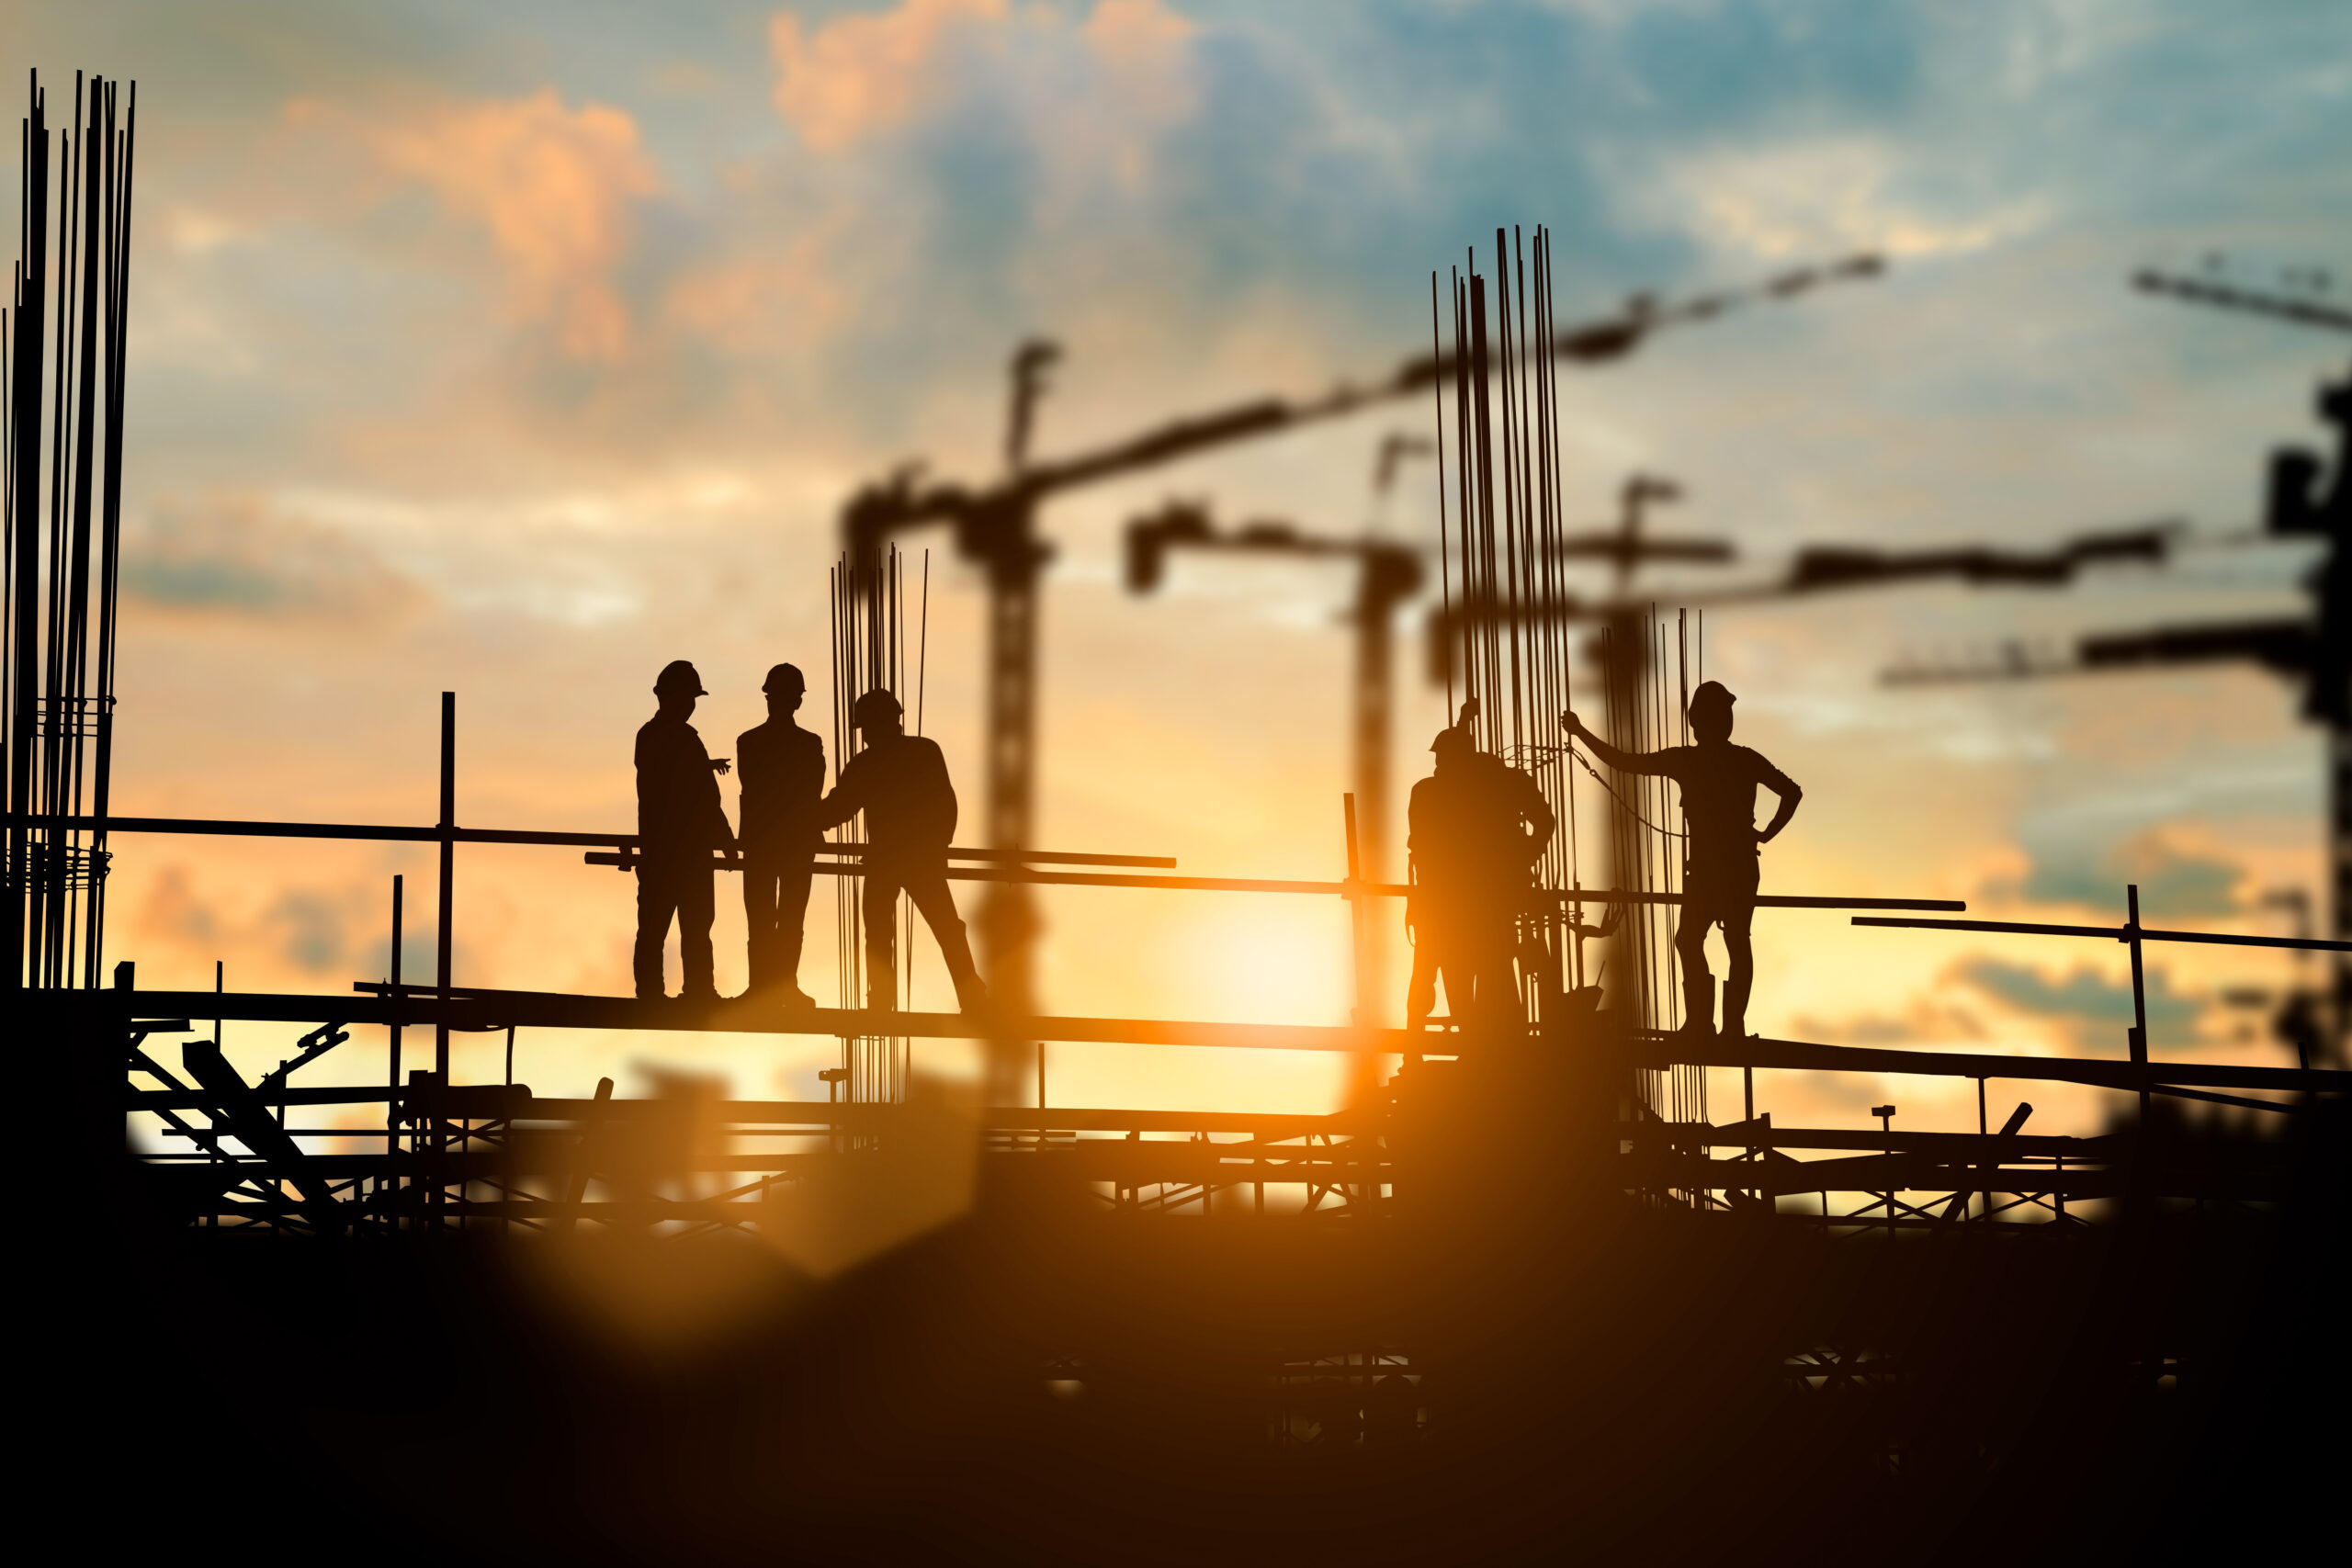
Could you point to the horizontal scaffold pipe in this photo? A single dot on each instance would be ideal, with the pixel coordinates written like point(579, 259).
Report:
point(1659, 1049)
point(1871, 1140)
point(1101, 1159)
point(380, 832)
point(481, 1010)
point(722, 860)
point(845, 860)
point(2116, 933)
point(487, 1010)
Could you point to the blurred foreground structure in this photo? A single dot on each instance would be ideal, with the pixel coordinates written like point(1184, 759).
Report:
point(1525, 1299)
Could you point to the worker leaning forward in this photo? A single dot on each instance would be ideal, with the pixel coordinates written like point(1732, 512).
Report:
point(782, 769)
point(1720, 876)
point(900, 782)
point(1476, 825)
point(679, 823)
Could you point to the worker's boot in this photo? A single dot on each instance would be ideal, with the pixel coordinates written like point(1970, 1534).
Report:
point(1735, 1007)
point(971, 991)
point(1698, 1006)
point(881, 985)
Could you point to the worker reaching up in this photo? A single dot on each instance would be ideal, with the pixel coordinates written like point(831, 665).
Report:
point(1475, 826)
point(900, 782)
point(1719, 877)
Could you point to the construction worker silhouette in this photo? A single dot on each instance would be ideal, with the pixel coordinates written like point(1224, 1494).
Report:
point(782, 769)
point(679, 822)
point(1719, 877)
point(900, 782)
point(1473, 828)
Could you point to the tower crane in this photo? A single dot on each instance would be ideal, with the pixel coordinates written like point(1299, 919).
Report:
point(2314, 648)
point(2305, 304)
point(995, 527)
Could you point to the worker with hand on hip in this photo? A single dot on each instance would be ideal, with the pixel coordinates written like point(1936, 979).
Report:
point(1718, 783)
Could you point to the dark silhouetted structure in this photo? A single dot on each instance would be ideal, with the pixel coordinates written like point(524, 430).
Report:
point(782, 770)
point(900, 782)
point(1476, 827)
point(1718, 781)
point(679, 822)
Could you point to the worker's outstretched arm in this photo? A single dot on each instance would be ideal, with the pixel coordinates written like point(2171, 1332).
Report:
point(1623, 762)
point(1786, 788)
point(846, 801)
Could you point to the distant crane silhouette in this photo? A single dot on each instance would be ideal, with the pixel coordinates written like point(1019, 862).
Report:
point(2314, 648)
point(995, 527)
point(2305, 303)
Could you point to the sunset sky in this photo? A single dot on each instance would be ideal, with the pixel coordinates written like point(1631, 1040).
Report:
point(517, 350)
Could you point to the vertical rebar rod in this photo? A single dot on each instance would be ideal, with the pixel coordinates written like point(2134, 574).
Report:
point(1437, 398)
point(1462, 481)
point(24, 535)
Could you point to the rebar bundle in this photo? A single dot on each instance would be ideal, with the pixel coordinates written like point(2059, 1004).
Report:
point(62, 551)
point(870, 652)
point(1504, 556)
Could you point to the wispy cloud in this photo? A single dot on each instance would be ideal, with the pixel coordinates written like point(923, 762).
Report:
point(245, 557)
point(2093, 1008)
point(552, 187)
point(2178, 878)
point(866, 73)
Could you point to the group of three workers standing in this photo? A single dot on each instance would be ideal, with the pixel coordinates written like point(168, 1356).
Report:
point(898, 780)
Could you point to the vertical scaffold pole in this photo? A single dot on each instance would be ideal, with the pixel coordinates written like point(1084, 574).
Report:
point(448, 867)
point(2139, 1000)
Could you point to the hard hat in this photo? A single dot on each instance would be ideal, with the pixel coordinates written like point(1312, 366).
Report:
point(785, 677)
point(678, 675)
point(874, 705)
point(1453, 737)
point(1710, 693)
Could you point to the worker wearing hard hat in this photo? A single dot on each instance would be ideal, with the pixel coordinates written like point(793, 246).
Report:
point(1720, 876)
point(679, 823)
point(1475, 826)
point(900, 782)
point(782, 769)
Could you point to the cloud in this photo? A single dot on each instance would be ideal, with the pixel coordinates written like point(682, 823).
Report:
point(312, 930)
point(857, 75)
point(553, 186)
point(2094, 1008)
point(274, 917)
point(2175, 882)
point(242, 556)
point(1926, 1020)
point(1826, 197)
point(1143, 44)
